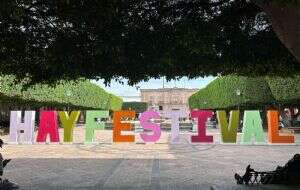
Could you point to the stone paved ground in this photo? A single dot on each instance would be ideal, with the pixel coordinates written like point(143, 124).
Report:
point(139, 166)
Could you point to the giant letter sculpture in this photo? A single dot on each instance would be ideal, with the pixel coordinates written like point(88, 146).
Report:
point(155, 128)
point(48, 125)
point(120, 126)
point(228, 131)
point(273, 132)
point(92, 123)
point(175, 115)
point(202, 116)
point(252, 126)
point(68, 123)
point(16, 126)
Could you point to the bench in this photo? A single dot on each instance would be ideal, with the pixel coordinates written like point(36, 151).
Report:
point(295, 129)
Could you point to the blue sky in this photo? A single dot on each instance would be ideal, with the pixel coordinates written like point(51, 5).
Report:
point(124, 90)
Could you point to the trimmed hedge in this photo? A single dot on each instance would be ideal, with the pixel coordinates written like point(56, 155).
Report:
point(222, 93)
point(136, 106)
point(73, 94)
point(286, 90)
point(115, 103)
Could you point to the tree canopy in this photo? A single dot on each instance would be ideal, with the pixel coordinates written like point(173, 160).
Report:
point(139, 107)
point(247, 92)
point(114, 102)
point(80, 94)
point(231, 92)
point(68, 39)
point(286, 90)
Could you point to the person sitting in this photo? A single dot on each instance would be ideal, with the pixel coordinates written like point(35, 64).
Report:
point(287, 174)
point(246, 177)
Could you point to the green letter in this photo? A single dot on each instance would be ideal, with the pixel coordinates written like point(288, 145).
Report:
point(68, 123)
point(252, 126)
point(228, 131)
point(92, 124)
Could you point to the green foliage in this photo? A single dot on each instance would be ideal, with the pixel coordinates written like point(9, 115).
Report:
point(223, 93)
point(255, 92)
point(115, 103)
point(281, 2)
point(73, 94)
point(53, 40)
point(136, 106)
point(286, 90)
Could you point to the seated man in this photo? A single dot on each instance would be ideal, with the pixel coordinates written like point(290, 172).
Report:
point(287, 174)
point(246, 177)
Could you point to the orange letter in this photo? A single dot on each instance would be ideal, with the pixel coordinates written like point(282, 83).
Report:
point(119, 126)
point(273, 132)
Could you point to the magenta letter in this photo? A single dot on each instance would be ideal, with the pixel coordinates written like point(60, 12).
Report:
point(48, 124)
point(202, 116)
point(144, 120)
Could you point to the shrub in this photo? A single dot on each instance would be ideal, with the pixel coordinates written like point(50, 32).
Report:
point(79, 94)
point(222, 93)
point(115, 103)
point(285, 90)
point(136, 106)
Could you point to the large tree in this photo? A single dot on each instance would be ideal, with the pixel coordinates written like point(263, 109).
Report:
point(233, 92)
point(285, 19)
point(52, 39)
point(79, 94)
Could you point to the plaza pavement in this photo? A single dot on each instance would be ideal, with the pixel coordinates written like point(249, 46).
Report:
point(137, 165)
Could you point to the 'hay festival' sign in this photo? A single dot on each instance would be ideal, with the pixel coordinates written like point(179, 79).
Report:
point(48, 126)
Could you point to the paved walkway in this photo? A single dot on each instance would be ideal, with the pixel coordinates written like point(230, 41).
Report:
point(139, 166)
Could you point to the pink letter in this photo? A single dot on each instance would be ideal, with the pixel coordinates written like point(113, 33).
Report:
point(48, 125)
point(175, 115)
point(202, 116)
point(144, 120)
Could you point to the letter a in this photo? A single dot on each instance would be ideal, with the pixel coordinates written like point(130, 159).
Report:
point(252, 127)
point(48, 125)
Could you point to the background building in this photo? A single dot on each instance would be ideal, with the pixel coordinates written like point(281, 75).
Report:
point(167, 99)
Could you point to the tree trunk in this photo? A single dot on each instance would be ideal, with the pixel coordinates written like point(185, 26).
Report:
point(285, 21)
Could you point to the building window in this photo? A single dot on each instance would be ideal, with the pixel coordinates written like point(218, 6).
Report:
point(160, 108)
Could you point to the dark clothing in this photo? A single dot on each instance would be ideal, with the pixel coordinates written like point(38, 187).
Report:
point(287, 174)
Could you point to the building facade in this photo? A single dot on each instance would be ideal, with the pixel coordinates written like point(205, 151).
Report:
point(163, 100)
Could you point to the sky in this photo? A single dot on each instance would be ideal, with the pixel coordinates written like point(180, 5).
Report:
point(130, 93)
